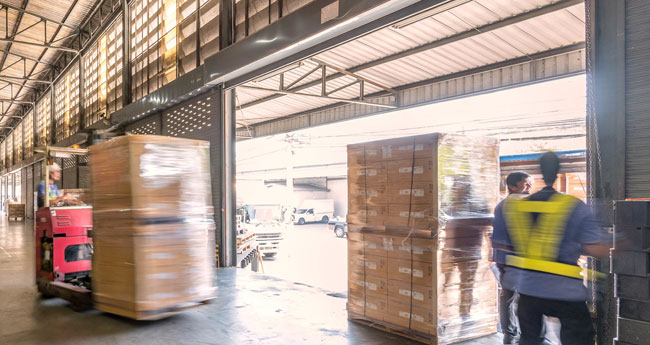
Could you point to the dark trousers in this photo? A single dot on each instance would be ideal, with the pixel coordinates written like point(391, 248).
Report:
point(507, 309)
point(577, 327)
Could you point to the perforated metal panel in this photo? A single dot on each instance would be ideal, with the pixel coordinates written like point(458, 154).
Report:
point(44, 119)
point(198, 119)
point(637, 102)
point(66, 104)
point(18, 143)
point(69, 173)
point(103, 74)
point(150, 125)
point(192, 119)
point(28, 137)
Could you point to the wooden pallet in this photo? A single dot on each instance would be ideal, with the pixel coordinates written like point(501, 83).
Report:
point(150, 315)
point(393, 329)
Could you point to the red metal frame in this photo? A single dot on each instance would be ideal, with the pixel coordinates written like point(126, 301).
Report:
point(64, 226)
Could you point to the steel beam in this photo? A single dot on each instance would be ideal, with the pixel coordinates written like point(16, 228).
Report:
point(24, 57)
point(444, 79)
point(17, 84)
point(16, 8)
point(428, 46)
point(15, 101)
point(334, 99)
point(40, 81)
point(42, 45)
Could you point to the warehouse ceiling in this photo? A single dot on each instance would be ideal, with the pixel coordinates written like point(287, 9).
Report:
point(460, 35)
point(33, 34)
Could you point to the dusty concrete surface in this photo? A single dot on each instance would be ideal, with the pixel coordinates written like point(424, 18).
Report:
point(249, 309)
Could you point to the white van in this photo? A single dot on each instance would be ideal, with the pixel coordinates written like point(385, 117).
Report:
point(314, 211)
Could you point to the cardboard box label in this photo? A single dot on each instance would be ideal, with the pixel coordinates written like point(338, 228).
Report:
point(405, 292)
point(405, 214)
point(371, 245)
point(367, 172)
point(372, 306)
point(418, 147)
point(371, 286)
point(418, 296)
point(371, 153)
point(417, 318)
point(416, 170)
point(371, 265)
point(418, 273)
point(371, 213)
point(404, 314)
point(404, 249)
point(360, 283)
point(404, 270)
point(418, 251)
point(414, 192)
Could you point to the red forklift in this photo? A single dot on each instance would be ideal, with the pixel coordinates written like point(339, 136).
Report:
point(63, 243)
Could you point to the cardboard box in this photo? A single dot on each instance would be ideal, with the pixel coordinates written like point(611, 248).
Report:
point(369, 173)
point(356, 303)
point(367, 215)
point(421, 273)
point(371, 194)
point(415, 193)
point(376, 307)
point(404, 315)
point(374, 245)
point(417, 216)
point(376, 286)
point(405, 170)
point(405, 293)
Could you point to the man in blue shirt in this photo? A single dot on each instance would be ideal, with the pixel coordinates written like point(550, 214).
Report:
point(519, 184)
point(54, 194)
point(544, 235)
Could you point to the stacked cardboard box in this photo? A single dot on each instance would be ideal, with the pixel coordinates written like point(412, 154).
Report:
point(419, 213)
point(153, 226)
point(630, 262)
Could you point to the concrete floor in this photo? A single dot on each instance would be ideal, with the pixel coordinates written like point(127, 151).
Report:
point(249, 309)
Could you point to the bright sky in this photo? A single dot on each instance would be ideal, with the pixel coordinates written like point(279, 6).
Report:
point(553, 108)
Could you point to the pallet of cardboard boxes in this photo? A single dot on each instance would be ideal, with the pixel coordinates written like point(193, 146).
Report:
point(419, 217)
point(153, 225)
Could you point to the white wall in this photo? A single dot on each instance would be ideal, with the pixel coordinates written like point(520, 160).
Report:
point(339, 193)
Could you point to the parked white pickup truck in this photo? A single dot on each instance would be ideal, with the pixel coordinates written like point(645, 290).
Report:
point(314, 211)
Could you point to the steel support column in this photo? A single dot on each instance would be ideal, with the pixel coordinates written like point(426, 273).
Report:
point(228, 168)
point(126, 54)
point(226, 23)
point(606, 130)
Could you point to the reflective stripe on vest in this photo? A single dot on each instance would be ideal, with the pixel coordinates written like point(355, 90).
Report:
point(537, 244)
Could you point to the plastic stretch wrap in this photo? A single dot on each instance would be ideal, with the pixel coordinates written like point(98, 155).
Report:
point(419, 215)
point(153, 228)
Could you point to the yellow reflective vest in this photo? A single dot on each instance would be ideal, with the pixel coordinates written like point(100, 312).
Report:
point(537, 243)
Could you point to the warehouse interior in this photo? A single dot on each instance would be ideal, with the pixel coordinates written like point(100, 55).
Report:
point(75, 75)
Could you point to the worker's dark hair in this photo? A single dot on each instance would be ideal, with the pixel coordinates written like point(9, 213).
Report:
point(514, 177)
point(550, 165)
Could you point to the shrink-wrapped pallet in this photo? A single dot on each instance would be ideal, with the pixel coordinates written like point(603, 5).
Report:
point(420, 211)
point(153, 225)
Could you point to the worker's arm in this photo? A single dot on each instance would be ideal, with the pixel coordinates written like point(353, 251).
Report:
point(597, 250)
point(595, 240)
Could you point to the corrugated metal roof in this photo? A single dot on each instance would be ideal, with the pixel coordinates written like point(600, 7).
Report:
point(29, 28)
point(520, 38)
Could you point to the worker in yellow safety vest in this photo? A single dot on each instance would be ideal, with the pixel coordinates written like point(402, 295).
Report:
point(544, 235)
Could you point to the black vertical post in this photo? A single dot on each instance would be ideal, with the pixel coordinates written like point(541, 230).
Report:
point(126, 54)
point(226, 26)
point(606, 131)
